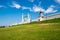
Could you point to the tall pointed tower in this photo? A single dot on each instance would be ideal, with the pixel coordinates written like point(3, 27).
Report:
point(28, 18)
point(22, 18)
point(40, 17)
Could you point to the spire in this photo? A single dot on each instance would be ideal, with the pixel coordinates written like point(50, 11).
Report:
point(28, 17)
point(22, 17)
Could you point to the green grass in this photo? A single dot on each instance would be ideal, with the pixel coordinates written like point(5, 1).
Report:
point(56, 20)
point(32, 31)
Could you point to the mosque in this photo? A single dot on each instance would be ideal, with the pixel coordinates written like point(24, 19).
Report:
point(25, 18)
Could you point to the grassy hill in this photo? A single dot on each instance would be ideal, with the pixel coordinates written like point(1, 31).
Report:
point(32, 31)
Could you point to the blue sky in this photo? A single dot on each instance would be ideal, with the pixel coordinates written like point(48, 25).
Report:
point(11, 10)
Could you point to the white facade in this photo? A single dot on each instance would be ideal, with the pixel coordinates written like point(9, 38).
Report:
point(52, 16)
point(40, 18)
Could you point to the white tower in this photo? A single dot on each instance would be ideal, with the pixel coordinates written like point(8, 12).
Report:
point(40, 17)
point(28, 18)
point(22, 18)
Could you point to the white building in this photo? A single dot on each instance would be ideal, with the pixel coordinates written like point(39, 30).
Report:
point(40, 17)
point(53, 16)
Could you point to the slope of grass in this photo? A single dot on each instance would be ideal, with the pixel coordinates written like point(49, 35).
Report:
point(56, 20)
point(32, 31)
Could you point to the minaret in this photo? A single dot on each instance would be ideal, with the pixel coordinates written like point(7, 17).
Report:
point(22, 18)
point(28, 18)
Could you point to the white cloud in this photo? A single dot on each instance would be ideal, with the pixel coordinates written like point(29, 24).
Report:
point(25, 7)
point(15, 5)
point(52, 6)
point(50, 9)
point(37, 9)
point(1, 6)
point(29, 8)
point(31, 0)
point(58, 1)
point(34, 8)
